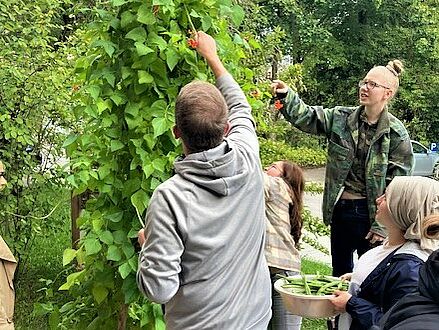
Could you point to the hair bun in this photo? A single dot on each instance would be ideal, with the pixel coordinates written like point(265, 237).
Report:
point(396, 67)
point(430, 226)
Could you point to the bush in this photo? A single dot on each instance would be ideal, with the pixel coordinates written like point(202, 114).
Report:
point(272, 151)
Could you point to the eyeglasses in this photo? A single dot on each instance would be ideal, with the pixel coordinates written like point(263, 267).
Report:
point(370, 84)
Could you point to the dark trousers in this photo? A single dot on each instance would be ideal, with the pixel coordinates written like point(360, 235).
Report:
point(349, 227)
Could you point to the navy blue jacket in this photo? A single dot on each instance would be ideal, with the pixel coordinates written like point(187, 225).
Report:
point(396, 276)
point(419, 310)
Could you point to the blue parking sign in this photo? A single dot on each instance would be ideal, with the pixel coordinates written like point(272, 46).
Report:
point(434, 146)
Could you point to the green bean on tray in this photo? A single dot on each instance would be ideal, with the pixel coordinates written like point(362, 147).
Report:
point(317, 285)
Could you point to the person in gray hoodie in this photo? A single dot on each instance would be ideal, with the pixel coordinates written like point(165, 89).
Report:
point(203, 244)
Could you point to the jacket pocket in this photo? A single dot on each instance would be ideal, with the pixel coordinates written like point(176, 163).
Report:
point(337, 152)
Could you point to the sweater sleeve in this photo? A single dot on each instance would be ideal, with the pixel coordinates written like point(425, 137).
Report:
point(159, 259)
point(242, 128)
point(402, 280)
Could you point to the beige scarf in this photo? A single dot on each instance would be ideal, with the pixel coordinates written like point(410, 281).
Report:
point(410, 200)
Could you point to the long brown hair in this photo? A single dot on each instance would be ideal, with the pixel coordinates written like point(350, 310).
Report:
point(292, 174)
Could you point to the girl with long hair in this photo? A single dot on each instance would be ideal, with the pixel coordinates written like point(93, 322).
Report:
point(284, 184)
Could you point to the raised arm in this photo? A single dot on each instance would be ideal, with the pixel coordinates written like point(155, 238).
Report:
point(242, 126)
point(310, 119)
point(206, 47)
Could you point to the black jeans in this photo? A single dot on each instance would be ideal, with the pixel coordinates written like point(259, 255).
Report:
point(349, 227)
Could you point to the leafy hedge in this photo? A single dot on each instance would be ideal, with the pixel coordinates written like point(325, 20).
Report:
point(272, 151)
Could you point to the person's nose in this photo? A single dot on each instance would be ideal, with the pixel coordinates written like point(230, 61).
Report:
point(364, 87)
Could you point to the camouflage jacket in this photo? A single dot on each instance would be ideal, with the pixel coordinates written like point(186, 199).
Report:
point(390, 153)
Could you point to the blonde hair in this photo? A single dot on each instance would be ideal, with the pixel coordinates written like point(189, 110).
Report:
point(396, 68)
point(430, 226)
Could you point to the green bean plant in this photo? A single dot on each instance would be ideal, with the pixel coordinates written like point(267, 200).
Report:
point(138, 59)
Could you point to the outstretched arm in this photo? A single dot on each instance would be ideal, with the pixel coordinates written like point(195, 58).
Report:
point(207, 48)
point(242, 126)
point(310, 119)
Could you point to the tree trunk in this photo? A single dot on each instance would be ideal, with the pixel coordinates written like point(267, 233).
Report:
point(122, 321)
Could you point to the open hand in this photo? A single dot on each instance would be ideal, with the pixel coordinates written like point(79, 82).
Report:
point(340, 300)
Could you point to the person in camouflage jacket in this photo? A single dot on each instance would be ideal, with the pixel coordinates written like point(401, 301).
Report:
point(367, 147)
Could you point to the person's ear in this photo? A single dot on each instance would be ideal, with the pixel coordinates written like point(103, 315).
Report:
point(388, 94)
point(227, 128)
point(176, 132)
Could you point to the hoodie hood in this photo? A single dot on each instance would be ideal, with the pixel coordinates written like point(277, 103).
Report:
point(218, 170)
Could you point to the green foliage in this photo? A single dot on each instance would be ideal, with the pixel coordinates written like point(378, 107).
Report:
point(272, 151)
point(129, 79)
point(42, 273)
point(314, 228)
point(314, 187)
point(34, 101)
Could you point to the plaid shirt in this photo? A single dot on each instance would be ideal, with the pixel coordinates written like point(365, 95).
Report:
point(280, 249)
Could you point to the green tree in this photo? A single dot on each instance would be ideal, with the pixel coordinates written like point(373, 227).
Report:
point(35, 92)
point(336, 42)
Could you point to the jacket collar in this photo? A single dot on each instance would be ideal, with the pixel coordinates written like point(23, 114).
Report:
point(353, 120)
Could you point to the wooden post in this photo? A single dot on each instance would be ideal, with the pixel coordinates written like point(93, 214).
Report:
point(75, 203)
point(122, 320)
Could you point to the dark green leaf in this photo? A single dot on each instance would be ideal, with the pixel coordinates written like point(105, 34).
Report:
point(140, 200)
point(106, 237)
point(172, 58)
point(70, 139)
point(160, 125)
point(124, 270)
point(116, 145)
point(92, 246)
point(142, 49)
point(237, 14)
point(99, 293)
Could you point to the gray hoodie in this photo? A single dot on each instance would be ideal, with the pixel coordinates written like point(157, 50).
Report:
point(204, 250)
